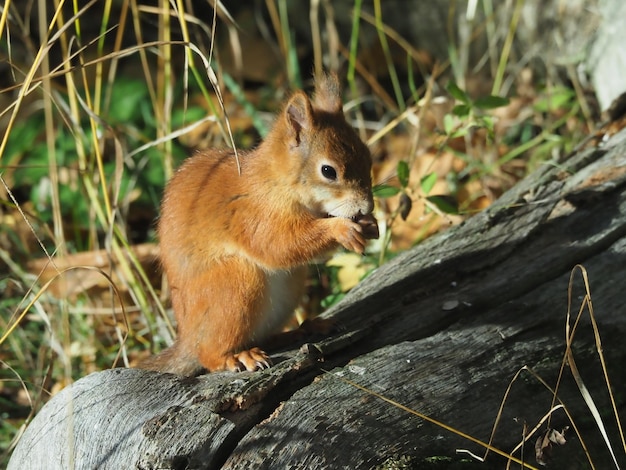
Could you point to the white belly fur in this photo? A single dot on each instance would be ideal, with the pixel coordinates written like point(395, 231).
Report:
point(283, 292)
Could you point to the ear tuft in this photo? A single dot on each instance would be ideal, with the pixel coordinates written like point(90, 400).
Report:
point(299, 115)
point(327, 95)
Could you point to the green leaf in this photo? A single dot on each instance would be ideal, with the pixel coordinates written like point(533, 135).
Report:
point(181, 118)
point(461, 110)
point(75, 204)
point(22, 138)
point(460, 133)
point(456, 92)
point(491, 102)
point(127, 99)
point(428, 182)
point(445, 203)
point(403, 173)
point(384, 190)
point(33, 167)
point(556, 98)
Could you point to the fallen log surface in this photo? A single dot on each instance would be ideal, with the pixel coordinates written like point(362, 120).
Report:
point(463, 328)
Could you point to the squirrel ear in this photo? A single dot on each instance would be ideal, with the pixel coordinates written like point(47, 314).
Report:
point(299, 115)
point(327, 95)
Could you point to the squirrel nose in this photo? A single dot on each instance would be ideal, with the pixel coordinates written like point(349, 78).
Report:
point(368, 206)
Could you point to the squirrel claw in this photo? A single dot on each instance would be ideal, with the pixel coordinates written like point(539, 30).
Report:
point(250, 360)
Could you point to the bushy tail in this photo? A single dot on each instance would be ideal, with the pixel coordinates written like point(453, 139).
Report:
point(174, 360)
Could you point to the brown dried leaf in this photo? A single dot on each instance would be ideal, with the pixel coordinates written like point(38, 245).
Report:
point(405, 206)
point(543, 445)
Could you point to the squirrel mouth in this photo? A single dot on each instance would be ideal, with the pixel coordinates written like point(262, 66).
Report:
point(353, 218)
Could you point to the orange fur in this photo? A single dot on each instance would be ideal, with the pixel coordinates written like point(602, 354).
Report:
point(233, 245)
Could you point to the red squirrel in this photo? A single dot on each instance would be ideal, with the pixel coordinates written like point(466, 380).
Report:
point(236, 234)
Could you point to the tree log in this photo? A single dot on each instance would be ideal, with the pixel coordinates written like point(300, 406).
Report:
point(442, 329)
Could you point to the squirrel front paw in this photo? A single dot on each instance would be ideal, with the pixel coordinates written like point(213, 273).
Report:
point(348, 234)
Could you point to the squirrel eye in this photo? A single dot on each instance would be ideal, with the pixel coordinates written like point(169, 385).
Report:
point(329, 172)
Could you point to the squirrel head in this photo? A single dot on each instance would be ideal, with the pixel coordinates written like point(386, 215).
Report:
point(329, 165)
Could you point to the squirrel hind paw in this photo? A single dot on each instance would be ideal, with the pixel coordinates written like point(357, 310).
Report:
point(250, 360)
